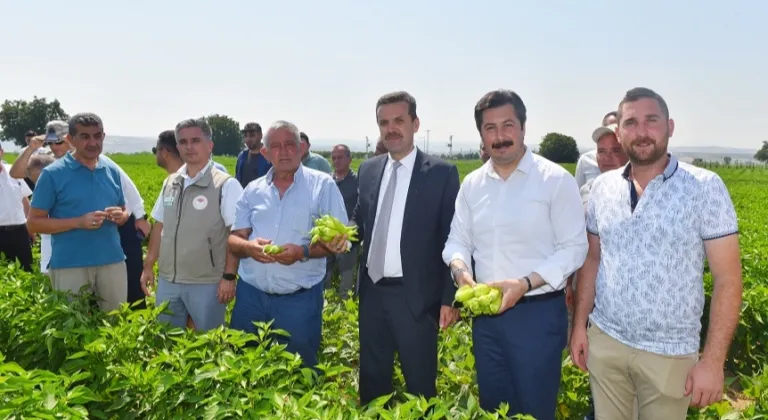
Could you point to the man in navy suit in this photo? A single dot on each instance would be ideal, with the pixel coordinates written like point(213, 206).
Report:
point(404, 212)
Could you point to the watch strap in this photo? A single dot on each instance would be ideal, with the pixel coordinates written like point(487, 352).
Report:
point(229, 276)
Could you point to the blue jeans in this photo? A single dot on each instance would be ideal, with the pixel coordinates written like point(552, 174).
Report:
point(199, 301)
point(299, 313)
point(518, 357)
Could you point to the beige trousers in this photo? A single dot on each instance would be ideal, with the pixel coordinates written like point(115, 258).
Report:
point(618, 374)
point(109, 282)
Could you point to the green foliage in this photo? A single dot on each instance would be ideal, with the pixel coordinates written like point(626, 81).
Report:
point(227, 139)
point(61, 358)
point(762, 154)
point(559, 148)
point(19, 116)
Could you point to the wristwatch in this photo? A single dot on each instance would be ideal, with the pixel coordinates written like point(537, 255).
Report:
point(229, 276)
point(305, 249)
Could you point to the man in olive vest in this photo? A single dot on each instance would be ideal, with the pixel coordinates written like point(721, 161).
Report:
point(193, 214)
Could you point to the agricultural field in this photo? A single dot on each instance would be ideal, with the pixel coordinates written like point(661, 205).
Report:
point(62, 359)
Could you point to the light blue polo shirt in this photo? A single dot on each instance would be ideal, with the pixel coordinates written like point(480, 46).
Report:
point(67, 189)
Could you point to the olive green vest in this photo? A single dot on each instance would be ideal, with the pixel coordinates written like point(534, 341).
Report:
point(193, 248)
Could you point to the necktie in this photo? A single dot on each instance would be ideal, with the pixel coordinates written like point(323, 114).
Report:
point(379, 244)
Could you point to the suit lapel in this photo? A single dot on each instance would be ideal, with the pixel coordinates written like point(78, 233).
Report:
point(375, 187)
point(412, 202)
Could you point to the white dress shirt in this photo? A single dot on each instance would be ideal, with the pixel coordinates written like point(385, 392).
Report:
point(532, 222)
point(12, 193)
point(231, 191)
point(586, 168)
point(393, 266)
point(133, 201)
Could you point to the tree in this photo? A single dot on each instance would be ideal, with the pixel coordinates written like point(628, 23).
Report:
point(559, 148)
point(19, 116)
point(227, 139)
point(727, 160)
point(762, 154)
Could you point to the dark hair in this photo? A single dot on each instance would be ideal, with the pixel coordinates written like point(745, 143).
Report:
point(399, 96)
point(167, 140)
point(498, 98)
point(610, 114)
point(251, 126)
point(304, 137)
point(635, 94)
point(85, 119)
point(345, 148)
point(30, 133)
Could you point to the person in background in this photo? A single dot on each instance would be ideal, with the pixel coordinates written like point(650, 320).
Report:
point(79, 200)
point(280, 209)
point(403, 214)
point(251, 164)
point(14, 207)
point(193, 215)
point(36, 165)
point(54, 141)
point(586, 166)
point(346, 180)
point(312, 159)
point(27, 138)
point(528, 253)
point(640, 294)
point(381, 148)
point(168, 157)
point(484, 156)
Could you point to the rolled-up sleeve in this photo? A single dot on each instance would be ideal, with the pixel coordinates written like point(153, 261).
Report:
point(332, 202)
point(568, 225)
point(133, 201)
point(459, 245)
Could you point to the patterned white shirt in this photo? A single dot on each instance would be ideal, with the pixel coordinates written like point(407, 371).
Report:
point(649, 289)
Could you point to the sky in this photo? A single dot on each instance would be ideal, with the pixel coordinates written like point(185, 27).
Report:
point(145, 65)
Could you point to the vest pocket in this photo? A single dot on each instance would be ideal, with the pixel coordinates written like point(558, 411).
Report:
point(210, 251)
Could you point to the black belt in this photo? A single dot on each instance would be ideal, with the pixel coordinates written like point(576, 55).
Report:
point(10, 228)
point(297, 292)
point(390, 281)
point(542, 297)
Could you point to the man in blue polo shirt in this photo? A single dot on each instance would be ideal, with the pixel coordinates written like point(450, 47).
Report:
point(79, 201)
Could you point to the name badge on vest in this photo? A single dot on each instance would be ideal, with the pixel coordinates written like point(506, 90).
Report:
point(200, 202)
point(170, 197)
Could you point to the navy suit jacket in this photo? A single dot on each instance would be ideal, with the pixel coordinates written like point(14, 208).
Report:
point(429, 209)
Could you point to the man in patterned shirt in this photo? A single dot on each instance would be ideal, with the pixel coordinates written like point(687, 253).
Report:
point(650, 227)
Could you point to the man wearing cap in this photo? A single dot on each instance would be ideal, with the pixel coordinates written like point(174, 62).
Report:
point(312, 159)
point(79, 201)
point(14, 206)
point(193, 214)
point(53, 141)
point(251, 164)
point(586, 167)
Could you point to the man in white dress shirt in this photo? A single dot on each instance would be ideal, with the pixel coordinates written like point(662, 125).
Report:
point(586, 167)
point(14, 206)
point(520, 217)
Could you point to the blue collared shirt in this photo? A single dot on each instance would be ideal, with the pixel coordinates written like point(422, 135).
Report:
point(286, 221)
point(67, 189)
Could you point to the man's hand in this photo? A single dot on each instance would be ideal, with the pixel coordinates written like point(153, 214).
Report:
point(147, 279)
point(256, 250)
point(92, 220)
point(448, 316)
point(143, 226)
point(512, 290)
point(226, 291)
point(291, 253)
point(465, 279)
point(116, 215)
point(337, 246)
point(579, 346)
point(36, 142)
point(705, 383)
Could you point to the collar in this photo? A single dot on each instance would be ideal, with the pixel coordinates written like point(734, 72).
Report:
point(185, 175)
point(525, 165)
point(350, 174)
point(299, 174)
point(668, 171)
point(72, 163)
point(408, 161)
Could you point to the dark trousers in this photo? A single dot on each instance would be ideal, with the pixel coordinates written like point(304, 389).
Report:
point(131, 242)
point(300, 314)
point(518, 356)
point(15, 244)
point(386, 325)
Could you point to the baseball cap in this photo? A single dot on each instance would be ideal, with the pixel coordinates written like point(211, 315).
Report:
point(56, 131)
point(603, 130)
point(251, 126)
